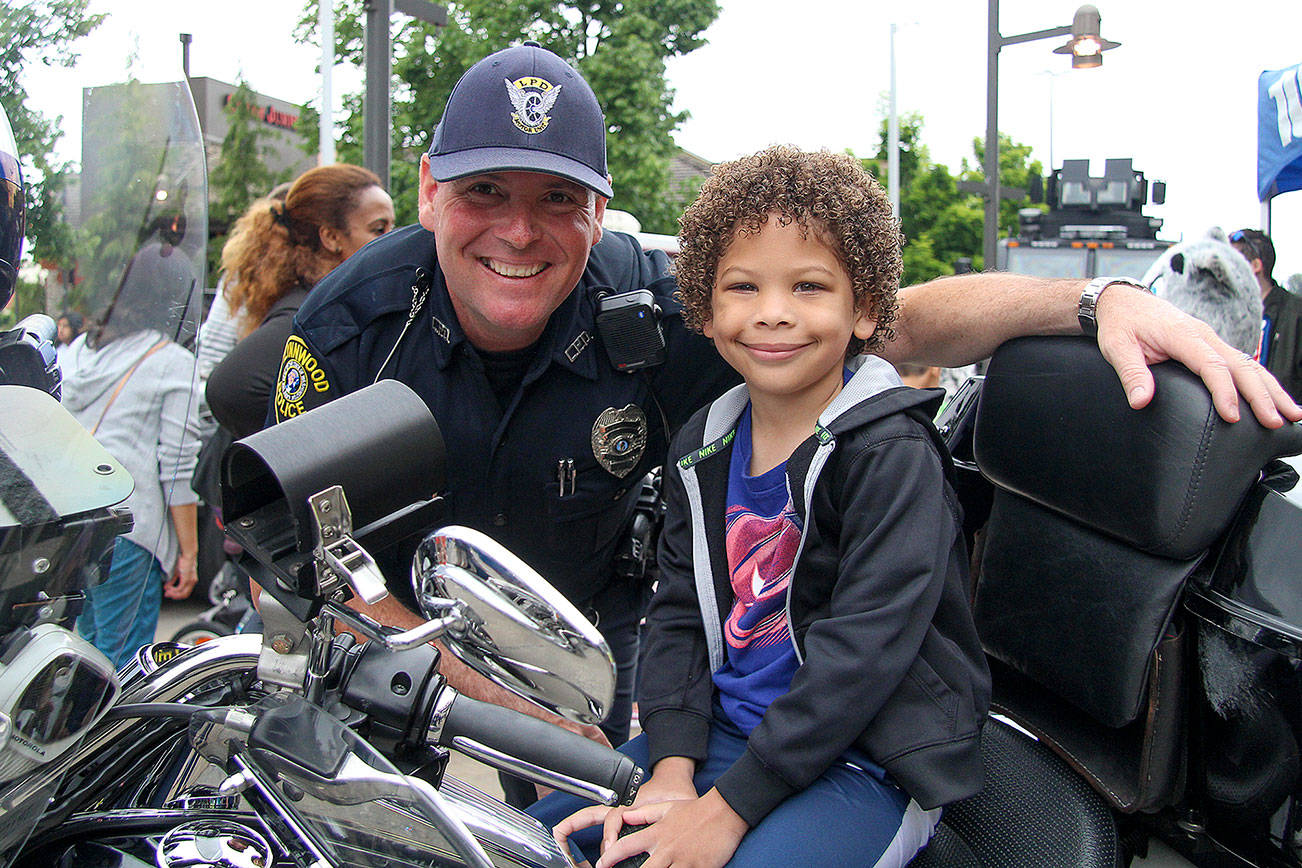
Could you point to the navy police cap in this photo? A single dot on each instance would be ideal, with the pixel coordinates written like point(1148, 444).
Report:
point(522, 109)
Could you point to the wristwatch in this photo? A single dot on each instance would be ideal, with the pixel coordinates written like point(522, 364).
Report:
point(1087, 308)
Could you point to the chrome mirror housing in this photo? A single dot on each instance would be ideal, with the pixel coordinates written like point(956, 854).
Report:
point(517, 630)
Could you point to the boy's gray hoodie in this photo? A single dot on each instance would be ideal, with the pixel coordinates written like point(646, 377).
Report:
point(151, 427)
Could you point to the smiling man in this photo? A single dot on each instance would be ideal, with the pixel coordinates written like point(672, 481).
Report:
point(488, 310)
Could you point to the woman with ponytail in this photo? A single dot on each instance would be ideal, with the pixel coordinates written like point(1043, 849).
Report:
point(276, 253)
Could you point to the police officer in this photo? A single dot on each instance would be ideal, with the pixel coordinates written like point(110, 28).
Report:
point(488, 310)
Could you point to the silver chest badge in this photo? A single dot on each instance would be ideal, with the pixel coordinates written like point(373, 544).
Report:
point(532, 98)
point(619, 439)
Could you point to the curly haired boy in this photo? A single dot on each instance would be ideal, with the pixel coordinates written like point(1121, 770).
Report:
point(812, 687)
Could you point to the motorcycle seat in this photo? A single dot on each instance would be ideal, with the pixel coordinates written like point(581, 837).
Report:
point(1100, 516)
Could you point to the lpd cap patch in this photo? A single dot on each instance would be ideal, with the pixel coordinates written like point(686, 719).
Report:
point(619, 439)
point(533, 98)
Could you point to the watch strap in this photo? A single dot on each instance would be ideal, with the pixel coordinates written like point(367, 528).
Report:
point(1087, 307)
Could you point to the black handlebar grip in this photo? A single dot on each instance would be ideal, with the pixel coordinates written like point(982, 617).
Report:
point(637, 860)
point(542, 744)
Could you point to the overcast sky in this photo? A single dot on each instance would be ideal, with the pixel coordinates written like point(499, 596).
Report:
point(1179, 95)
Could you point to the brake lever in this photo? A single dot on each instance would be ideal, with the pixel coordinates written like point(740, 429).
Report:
point(454, 621)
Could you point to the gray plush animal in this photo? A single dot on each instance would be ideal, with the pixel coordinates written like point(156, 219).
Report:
point(1209, 279)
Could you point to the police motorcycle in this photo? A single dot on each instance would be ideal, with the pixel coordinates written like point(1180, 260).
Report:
point(301, 746)
point(285, 748)
point(1138, 590)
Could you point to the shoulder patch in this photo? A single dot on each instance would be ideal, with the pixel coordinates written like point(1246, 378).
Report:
point(299, 372)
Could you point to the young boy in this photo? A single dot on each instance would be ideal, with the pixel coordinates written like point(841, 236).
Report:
point(812, 687)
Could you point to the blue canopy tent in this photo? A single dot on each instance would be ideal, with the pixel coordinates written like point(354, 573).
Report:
point(1279, 135)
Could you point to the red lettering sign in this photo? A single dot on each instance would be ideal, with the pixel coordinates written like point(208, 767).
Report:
point(267, 114)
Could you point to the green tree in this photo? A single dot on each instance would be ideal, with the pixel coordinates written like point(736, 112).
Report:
point(940, 224)
point(242, 174)
point(1015, 170)
point(35, 34)
point(620, 46)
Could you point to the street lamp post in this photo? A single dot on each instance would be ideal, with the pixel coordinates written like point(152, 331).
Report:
point(376, 108)
point(893, 140)
point(1086, 48)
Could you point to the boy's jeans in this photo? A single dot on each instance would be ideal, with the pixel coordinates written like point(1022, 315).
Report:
point(848, 816)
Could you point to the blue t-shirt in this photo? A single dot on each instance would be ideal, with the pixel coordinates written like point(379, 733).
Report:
point(762, 538)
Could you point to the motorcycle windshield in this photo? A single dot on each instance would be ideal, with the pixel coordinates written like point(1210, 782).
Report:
point(98, 438)
point(343, 804)
point(131, 378)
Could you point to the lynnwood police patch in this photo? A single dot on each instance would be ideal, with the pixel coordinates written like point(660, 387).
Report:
point(532, 98)
point(619, 439)
point(299, 369)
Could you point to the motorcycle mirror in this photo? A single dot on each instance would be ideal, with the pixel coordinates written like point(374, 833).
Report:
point(518, 631)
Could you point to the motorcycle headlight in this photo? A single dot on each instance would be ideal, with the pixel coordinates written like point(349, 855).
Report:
point(53, 688)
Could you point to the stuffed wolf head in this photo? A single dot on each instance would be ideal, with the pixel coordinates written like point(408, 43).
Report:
point(1209, 279)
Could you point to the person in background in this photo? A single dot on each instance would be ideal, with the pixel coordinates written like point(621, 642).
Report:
point(220, 329)
point(70, 324)
point(918, 376)
point(132, 387)
point(275, 254)
point(1281, 325)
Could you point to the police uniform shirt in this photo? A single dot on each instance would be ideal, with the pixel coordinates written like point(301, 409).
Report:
point(554, 470)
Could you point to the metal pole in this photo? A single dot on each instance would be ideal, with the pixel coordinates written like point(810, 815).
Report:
point(376, 114)
point(1051, 78)
point(893, 140)
point(186, 38)
point(326, 139)
point(990, 232)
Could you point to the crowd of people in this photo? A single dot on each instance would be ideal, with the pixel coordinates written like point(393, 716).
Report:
point(777, 402)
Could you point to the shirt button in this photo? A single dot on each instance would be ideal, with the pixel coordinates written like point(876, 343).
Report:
point(500, 519)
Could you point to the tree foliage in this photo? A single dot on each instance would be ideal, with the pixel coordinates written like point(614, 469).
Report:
point(620, 46)
point(36, 34)
point(940, 224)
point(241, 175)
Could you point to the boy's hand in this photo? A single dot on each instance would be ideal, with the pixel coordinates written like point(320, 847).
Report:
point(670, 781)
point(702, 833)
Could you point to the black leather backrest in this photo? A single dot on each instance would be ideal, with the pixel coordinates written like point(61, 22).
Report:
point(1054, 427)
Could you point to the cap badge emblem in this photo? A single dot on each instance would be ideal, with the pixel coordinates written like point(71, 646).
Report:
point(532, 97)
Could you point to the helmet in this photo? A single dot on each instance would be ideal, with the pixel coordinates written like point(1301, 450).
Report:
point(13, 205)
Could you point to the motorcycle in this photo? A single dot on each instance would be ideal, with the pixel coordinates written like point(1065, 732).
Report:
point(1137, 591)
point(262, 749)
